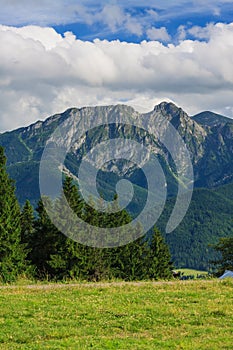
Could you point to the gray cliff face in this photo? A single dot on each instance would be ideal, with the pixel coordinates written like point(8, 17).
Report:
point(208, 137)
point(125, 117)
point(208, 141)
point(216, 166)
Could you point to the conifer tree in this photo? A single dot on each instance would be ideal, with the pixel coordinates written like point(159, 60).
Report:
point(159, 259)
point(69, 260)
point(44, 241)
point(96, 264)
point(60, 257)
point(126, 262)
point(12, 252)
point(72, 196)
point(27, 222)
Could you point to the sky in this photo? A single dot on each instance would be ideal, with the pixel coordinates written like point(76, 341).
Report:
point(57, 54)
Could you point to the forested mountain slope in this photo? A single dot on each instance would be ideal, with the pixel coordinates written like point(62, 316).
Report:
point(208, 137)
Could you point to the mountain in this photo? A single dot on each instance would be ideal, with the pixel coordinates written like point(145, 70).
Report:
point(215, 167)
point(208, 137)
point(210, 119)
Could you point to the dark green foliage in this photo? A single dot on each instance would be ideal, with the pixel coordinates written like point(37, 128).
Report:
point(159, 258)
point(54, 255)
point(25, 240)
point(27, 222)
point(225, 248)
point(43, 242)
point(209, 218)
point(72, 196)
point(59, 257)
point(99, 260)
point(12, 252)
point(69, 259)
point(130, 261)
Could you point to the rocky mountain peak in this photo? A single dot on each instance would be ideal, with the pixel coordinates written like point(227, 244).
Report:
point(167, 108)
point(210, 145)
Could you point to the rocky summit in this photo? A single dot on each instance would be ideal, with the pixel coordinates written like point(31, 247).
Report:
point(208, 137)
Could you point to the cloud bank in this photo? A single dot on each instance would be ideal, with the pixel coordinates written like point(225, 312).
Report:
point(43, 72)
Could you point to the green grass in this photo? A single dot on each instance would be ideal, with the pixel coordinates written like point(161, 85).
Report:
point(177, 315)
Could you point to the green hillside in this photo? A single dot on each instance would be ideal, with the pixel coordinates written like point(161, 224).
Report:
point(208, 137)
point(209, 217)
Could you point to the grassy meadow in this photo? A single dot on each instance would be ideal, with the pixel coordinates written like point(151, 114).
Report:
point(160, 315)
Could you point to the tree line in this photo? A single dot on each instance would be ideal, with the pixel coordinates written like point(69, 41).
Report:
point(32, 246)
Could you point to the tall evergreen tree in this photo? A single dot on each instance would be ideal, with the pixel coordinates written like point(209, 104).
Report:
point(158, 260)
point(12, 252)
point(27, 222)
point(96, 264)
point(69, 259)
point(44, 241)
point(127, 262)
point(72, 196)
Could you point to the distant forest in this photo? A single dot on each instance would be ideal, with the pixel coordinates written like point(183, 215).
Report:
point(209, 218)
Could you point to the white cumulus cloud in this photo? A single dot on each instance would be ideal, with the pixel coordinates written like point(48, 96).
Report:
point(43, 72)
point(158, 34)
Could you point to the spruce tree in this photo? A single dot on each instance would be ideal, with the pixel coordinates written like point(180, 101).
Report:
point(44, 241)
point(12, 252)
point(96, 268)
point(126, 262)
point(129, 263)
point(69, 259)
point(72, 196)
point(27, 222)
point(158, 261)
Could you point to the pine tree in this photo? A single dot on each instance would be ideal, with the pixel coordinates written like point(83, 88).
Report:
point(116, 262)
point(69, 259)
point(12, 252)
point(72, 196)
point(126, 262)
point(44, 241)
point(96, 267)
point(27, 222)
point(129, 263)
point(158, 261)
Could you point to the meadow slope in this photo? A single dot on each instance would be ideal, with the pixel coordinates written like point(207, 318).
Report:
point(151, 315)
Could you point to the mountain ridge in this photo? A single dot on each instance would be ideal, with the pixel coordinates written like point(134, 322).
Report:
point(208, 118)
point(210, 147)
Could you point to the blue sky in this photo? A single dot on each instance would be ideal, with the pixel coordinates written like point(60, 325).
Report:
point(170, 17)
point(59, 53)
point(123, 20)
